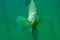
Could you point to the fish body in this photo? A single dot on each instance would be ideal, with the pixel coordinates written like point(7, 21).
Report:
point(32, 11)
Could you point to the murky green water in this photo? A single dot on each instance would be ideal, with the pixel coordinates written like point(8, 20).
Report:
point(47, 9)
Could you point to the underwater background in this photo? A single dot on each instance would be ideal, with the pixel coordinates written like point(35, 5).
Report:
point(48, 9)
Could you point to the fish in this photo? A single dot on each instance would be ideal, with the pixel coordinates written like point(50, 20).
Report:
point(24, 24)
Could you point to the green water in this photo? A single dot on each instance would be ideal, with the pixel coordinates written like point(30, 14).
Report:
point(48, 30)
